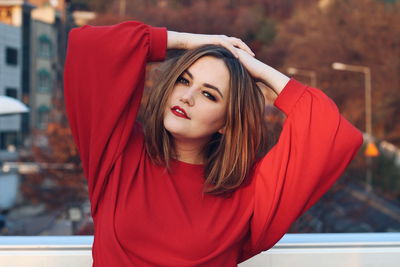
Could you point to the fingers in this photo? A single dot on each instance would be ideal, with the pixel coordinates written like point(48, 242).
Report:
point(232, 42)
point(230, 47)
point(242, 45)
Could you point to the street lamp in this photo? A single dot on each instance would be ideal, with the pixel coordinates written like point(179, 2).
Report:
point(368, 113)
point(367, 72)
point(122, 8)
point(309, 73)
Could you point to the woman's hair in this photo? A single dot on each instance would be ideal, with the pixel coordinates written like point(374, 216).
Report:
point(229, 156)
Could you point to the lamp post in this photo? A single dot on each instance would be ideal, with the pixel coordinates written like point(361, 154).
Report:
point(309, 73)
point(368, 111)
point(122, 8)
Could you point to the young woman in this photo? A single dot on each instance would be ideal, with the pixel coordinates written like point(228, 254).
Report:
point(191, 186)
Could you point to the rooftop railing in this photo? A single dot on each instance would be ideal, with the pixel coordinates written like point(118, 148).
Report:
point(293, 250)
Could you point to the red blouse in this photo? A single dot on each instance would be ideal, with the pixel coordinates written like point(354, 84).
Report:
point(145, 216)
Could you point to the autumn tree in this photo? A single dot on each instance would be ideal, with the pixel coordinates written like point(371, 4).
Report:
point(60, 182)
point(359, 32)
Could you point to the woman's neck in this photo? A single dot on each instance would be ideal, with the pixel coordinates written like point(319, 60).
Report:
point(189, 151)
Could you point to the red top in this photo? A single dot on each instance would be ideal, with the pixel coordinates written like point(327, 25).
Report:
point(143, 215)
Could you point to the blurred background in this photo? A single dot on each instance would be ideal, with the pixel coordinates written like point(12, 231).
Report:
point(348, 49)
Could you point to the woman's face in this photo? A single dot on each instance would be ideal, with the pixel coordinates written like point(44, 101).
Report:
point(196, 108)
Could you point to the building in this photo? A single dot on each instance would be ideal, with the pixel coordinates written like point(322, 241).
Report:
point(10, 81)
point(41, 43)
point(44, 64)
point(31, 60)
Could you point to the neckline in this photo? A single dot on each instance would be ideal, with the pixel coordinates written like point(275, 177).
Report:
point(186, 164)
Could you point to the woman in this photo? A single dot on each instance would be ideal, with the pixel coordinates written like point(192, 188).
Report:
point(191, 186)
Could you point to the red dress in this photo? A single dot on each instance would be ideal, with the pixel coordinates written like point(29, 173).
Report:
point(145, 216)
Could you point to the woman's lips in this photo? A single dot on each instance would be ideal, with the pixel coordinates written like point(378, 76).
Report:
point(180, 112)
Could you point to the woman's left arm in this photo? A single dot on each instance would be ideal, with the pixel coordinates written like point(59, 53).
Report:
point(315, 146)
point(262, 72)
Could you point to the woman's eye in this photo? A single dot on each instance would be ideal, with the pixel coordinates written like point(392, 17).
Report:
point(182, 80)
point(209, 96)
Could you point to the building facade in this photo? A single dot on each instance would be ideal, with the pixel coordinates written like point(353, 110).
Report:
point(10, 81)
point(44, 62)
point(33, 72)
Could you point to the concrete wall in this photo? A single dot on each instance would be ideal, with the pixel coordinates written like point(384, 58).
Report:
point(294, 250)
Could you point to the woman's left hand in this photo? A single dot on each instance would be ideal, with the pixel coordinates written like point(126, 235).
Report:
point(252, 64)
point(262, 72)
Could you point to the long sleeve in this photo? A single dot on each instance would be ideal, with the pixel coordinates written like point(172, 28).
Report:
point(315, 146)
point(104, 80)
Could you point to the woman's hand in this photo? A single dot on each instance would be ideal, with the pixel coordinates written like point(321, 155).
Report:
point(254, 66)
point(262, 72)
point(182, 40)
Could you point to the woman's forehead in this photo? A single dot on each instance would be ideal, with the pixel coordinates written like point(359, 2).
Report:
point(210, 70)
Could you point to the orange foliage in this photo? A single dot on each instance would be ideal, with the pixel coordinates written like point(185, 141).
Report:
point(60, 182)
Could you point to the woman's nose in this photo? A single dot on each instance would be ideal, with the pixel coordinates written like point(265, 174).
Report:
point(188, 97)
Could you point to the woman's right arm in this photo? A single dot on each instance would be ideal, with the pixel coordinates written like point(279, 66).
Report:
point(104, 77)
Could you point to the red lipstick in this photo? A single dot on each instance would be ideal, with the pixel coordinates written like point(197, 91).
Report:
point(180, 112)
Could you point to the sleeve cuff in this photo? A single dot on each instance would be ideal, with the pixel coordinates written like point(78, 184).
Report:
point(289, 95)
point(158, 43)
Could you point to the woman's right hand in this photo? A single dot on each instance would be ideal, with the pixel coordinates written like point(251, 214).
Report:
point(181, 40)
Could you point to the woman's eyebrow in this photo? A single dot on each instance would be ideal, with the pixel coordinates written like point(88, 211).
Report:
point(214, 88)
point(205, 84)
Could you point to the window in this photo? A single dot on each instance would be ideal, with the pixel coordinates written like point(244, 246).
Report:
point(6, 14)
point(43, 116)
point(11, 56)
point(12, 92)
point(8, 139)
point(44, 46)
point(44, 81)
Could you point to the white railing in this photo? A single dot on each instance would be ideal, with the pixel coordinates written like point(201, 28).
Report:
point(294, 250)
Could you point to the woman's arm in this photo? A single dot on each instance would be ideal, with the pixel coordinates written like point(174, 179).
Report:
point(103, 84)
point(314, 148)
point(183, 40)
point(264, 73)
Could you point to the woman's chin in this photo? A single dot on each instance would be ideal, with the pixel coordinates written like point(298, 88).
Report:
point(179, 133)
point(175, 129)
point(179, 130)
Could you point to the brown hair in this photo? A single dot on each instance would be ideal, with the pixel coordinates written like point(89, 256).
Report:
point(229, 156)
